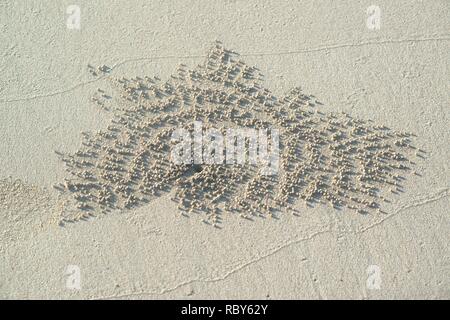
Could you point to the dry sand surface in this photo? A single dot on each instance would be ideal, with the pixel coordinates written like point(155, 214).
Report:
point(91, 206)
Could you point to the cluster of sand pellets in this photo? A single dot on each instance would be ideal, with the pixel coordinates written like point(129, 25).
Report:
point(324, 158)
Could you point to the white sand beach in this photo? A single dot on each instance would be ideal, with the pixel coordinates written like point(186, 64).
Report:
point(393, 73)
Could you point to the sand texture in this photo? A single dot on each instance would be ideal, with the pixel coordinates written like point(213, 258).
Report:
point(93, 207)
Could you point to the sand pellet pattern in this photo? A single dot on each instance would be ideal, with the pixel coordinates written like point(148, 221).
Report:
point(325, 158)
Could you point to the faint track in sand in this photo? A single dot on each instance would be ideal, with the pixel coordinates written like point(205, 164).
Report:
point(257, 54)
point(421, 201)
